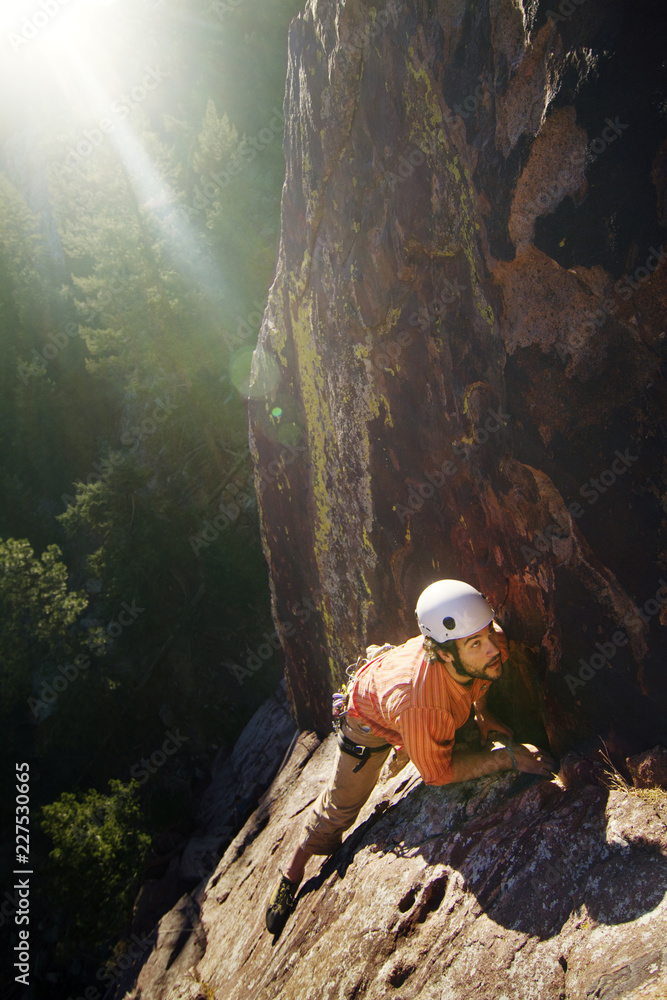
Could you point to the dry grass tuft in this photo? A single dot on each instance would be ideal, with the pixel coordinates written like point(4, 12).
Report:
point(616, 782)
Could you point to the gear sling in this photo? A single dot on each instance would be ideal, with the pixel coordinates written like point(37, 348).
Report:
point(340, 700)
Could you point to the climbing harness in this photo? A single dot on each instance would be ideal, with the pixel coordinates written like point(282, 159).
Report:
point(361, 753)
point(339, 709)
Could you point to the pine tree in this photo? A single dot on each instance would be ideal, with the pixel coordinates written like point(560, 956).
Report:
point(99, 842)
point(37, 610)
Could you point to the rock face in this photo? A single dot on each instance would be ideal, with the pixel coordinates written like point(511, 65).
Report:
point(505, 887)
point(459, 369)
point(649, 770)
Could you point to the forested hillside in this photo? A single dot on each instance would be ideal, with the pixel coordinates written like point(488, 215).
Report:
point(141, 173)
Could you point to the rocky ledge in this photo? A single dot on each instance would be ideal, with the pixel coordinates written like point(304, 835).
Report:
point(504, 887)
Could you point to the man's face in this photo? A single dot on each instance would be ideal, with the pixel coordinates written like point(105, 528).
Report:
point(480, 655)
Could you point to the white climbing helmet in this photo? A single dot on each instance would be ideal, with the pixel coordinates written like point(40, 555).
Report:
point(451, 609)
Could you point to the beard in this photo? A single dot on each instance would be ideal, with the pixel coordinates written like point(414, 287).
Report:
point(490, 671)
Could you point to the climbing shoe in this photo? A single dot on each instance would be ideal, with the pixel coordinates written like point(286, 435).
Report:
point(281, 904)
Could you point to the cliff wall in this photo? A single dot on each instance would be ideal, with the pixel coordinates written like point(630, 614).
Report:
point(459, 371)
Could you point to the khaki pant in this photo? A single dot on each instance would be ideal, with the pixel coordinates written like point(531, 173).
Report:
point(338, 806)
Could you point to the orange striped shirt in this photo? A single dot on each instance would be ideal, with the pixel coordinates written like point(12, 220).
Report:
point(415, 705)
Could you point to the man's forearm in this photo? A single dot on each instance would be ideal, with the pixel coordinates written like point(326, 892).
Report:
point(467, 764)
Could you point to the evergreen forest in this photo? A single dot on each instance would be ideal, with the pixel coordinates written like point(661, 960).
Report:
point(140, 185)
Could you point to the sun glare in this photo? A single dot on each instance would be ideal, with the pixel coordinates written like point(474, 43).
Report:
point(84, 72)
point(51, 28)
point(58, 51)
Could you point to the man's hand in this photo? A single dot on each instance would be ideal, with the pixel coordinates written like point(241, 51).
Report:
point(467, 764)
point(531, 760)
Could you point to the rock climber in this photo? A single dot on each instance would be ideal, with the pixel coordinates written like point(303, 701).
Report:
point(414, 697)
